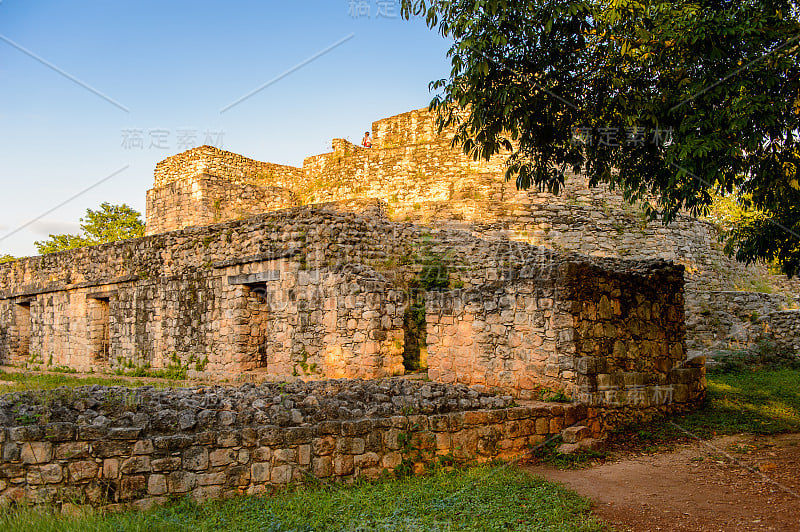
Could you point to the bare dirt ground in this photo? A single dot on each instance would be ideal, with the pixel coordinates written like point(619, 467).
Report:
point(730, 483)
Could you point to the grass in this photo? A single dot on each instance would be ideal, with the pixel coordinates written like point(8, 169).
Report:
point(483, 498)
point(48, 381)
point(765, 401)
point(760, 402)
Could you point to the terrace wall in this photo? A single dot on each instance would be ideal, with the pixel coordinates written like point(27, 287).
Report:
point(136, 466)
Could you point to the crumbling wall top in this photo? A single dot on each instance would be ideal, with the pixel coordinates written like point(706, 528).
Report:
point(221, 163)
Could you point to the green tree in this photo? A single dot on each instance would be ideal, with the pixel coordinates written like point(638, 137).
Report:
point(110, 223)
point(6, 258)
point(670, 102)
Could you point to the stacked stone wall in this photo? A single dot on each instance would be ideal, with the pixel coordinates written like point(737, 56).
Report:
point(280, 293)
point(206, 199)
point(586, 328)
point(722, 320)
point(135, 456)
point(425, 180)
point(783, 328)
point(404, 177)
point(408, 129)
point(194, 295)
point(213, 161)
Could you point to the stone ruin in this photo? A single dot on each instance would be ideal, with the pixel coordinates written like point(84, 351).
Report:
point(254, 271)
point(362, 264)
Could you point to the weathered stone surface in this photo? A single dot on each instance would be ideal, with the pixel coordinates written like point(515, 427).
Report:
point(72, 450)
point(45, 474)
point(261, 472)
point(136, 464)
point(575, 434)
point(84, 470)
point(36, 452)
point(132, 487)
point(195, 458)
point(317, 292)
point(157, 484)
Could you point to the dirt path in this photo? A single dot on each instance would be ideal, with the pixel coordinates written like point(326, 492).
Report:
point(697, 487)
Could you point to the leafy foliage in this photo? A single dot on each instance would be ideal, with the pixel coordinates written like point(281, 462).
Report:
point(670, 102)
point(108, 224)
point(6, 258)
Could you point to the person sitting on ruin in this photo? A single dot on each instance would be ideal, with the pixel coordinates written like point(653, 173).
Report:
point(366, 142)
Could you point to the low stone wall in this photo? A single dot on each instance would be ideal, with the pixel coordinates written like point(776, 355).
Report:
point(783, 328)
point(737, 320)
point(134, 448)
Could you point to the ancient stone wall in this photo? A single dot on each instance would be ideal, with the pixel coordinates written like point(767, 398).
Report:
point(721, 320)
point(213, 161)
point(206, 199)
point(401, 176)
point(425, 180)
point(583, 327)
point(211, 297)
point(306, 291)
point(407, 129)
point(134, 448)
point(783, 328)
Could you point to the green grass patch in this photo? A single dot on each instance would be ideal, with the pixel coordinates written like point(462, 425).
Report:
point(766, 401)
point(483, 498)
point(759, 402)
point(44, 381)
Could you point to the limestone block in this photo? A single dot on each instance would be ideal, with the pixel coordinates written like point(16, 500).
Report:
point(36, 452)
point(84, 470)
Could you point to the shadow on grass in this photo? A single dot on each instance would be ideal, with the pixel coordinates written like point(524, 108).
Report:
point(765, 401)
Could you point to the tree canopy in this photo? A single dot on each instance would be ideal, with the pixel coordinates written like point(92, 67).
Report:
point(110, 223)
point(6, 258)
point(671, 102)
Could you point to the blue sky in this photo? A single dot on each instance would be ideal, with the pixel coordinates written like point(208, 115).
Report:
point(174, 65)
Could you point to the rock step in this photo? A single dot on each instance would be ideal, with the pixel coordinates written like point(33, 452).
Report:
point(575, 434)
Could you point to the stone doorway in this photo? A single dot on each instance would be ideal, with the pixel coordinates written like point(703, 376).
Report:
point(99, 321)
point(22, 323)
point(257, 302)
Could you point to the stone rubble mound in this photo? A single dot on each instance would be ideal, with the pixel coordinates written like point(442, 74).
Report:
point(210, 407)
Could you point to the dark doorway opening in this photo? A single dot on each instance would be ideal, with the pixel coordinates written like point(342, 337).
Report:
point(100, 328)
point(415, 348)
point(23, 325)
